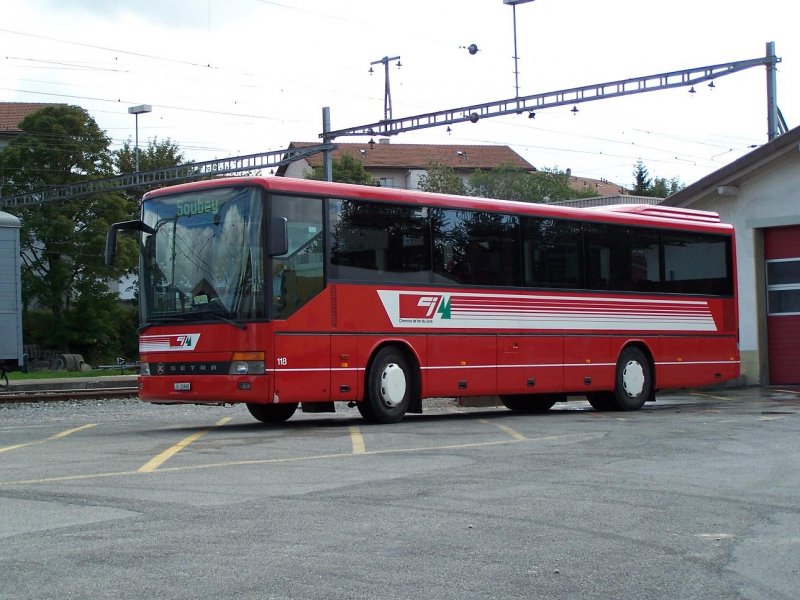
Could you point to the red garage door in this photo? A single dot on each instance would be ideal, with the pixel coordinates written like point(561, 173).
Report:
point(782, 253)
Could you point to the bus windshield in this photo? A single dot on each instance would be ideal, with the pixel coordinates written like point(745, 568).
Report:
point(202, 258)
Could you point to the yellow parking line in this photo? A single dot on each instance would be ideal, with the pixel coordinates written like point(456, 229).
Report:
point(568, 438)
point(709, 396)
point(57, 436)
point(159, 460)
point(357, 440)
point(512, 432)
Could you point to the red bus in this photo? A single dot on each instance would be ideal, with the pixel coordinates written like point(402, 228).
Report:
point(278, 292)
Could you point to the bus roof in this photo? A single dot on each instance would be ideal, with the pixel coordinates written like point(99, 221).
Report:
point(632, 214)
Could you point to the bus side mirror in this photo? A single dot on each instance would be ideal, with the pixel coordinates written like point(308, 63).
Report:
point(111, 246)
point(278, 240)
point(111, 237)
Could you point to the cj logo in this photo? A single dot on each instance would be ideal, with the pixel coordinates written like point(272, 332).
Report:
point(181, 340)
point(431, 302)
point(424, 306)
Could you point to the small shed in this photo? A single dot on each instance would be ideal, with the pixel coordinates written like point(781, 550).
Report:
point(11, 353)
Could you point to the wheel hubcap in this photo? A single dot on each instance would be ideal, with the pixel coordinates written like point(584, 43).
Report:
point(633, 379)
point(393, 385)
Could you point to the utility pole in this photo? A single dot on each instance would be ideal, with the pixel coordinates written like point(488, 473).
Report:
point(513, 4)
point(387, 95)
point(772, 93)
point(327, 154)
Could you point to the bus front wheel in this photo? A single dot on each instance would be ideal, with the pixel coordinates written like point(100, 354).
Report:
point(272, 413)
point(389, 387)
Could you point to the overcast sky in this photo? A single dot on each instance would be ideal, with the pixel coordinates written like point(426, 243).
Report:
point(230, 77)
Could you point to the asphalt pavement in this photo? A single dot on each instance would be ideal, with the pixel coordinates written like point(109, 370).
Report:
point(694, 496)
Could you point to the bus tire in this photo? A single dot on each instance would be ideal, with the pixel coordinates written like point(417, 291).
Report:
point(531, 403)
point(272, 413)
point(634, 379)
point(603, 401)
point(389, 387)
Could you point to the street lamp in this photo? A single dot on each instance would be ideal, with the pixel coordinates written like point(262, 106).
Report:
point(513, 4)
point(138, 110)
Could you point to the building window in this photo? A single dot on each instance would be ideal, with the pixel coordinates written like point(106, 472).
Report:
point(783, 286)
point(387, 182)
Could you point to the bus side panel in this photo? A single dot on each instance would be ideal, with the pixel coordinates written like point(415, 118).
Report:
point(689, 362)
point(345, 360)
point(589, 363)
point(461, 365)
point(302, 367)
point(530, 364)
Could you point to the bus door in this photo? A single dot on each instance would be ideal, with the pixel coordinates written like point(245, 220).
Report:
point(302, 367)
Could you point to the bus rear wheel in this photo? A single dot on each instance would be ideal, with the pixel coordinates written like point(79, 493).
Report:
point(633, 383)
point(531, 403)
point(389, 387)
point(272, 413)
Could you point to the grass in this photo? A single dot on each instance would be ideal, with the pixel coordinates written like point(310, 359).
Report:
point(19, 376)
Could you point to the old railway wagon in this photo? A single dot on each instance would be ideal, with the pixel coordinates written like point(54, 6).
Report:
point(11, 354)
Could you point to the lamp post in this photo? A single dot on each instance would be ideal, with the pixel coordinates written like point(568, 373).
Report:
point(138, 110)
point(513, 4)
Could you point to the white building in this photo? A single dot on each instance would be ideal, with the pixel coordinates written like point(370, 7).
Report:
point(760, 195)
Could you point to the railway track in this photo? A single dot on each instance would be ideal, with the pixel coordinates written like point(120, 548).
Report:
point(9, 394)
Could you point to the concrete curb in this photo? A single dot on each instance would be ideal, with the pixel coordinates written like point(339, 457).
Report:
point(73, 383)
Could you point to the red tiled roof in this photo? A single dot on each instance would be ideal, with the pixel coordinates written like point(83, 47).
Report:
point(12, 113)
point(417, 156)
point(600, 187)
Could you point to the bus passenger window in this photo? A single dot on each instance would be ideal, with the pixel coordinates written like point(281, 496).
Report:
point(551, 252)
point(373, 241)
point(475, 248)
point(622, 258)
point(685, 274)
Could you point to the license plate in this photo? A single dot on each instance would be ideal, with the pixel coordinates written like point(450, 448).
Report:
point(182, 387)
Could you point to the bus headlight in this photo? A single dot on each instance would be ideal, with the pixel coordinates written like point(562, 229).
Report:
point(144, 368)
point(247, 363)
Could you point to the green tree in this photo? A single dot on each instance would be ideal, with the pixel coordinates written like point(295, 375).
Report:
point(63, 243)
point(346, 169)
point(642, 181)
point(658, 187)
point(666, 187)
point(512, 183)
point(441, 179)
point(156, 155)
